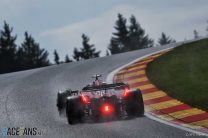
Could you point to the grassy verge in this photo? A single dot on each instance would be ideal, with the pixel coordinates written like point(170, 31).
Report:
point(183, 73)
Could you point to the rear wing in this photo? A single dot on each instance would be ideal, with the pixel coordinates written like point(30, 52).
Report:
point(104, 87)
point(68, 92)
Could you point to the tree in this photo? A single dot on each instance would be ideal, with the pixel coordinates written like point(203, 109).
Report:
point(77, 54)
point(165, 39)
point(7, 49)
point(67, 59)
point(107, 53)
point(113, 47)
point(128, 38)
point(137, 37)
point(118, 42)
point(30, 55)
point(196, 34)
point(88, 50)
point(56, 57)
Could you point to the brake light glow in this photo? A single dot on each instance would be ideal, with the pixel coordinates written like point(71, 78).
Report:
point(85, 99)
point(126, 91)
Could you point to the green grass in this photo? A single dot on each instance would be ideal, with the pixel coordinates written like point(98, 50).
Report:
point(183, 73)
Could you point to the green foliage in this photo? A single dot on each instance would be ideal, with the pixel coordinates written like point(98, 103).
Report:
point(165, 39)
point(182, 73)
point(137, 37)
point(56, 57)
point(7, 49)
point(77, 54)
point(120, 38)
point(67, 59)
point(30, 55)
point(107, 53)
point(87, 51)
point(128, 38)
point(114, 47)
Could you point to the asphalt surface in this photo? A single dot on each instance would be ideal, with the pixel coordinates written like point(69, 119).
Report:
point(28, 99)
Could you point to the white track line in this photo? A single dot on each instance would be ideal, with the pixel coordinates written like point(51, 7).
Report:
point(110, 76)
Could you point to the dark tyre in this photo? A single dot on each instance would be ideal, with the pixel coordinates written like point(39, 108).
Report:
point(59, 102)
point(74, 110)
point(135, 104)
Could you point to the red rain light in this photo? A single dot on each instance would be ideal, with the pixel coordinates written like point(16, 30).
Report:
point(107, 109)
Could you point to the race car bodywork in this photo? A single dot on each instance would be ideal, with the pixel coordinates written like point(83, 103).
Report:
point(101, 100)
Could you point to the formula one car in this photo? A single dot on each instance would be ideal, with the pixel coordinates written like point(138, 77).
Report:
point(100, 100)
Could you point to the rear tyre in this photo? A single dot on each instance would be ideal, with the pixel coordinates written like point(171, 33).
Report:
point(135, 104)
point(74, 110)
